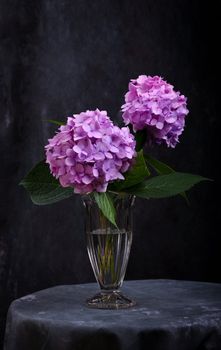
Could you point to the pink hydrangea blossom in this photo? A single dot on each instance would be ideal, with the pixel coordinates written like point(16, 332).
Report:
point(153, 104)
point(89, 152)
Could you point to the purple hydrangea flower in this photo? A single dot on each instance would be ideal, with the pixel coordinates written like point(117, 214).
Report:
point(89, 152)
point(153, 104)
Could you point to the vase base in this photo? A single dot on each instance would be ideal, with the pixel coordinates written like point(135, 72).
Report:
point(110, 300)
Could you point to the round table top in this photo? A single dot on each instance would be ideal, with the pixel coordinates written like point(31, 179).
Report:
point(169, 315)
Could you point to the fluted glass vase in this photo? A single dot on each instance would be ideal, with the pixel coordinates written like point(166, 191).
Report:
point(109, 249)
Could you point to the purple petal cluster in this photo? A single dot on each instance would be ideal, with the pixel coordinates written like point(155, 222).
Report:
point(153, 104)
point(89, 152)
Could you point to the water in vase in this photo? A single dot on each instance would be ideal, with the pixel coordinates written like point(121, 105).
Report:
point(109, 251)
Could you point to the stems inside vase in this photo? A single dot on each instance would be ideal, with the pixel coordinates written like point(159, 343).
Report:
point(108, 249)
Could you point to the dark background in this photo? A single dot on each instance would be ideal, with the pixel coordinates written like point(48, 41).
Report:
point(59, 57)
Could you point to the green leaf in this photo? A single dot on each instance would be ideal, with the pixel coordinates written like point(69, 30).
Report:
point(104, 202)
point(163, 186)
point(162, 169)
point(57, 122)
point(138, 173)
point(140, 137)
point(43, 187)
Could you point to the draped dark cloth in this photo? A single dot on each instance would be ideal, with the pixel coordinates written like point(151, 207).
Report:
point(175, 315)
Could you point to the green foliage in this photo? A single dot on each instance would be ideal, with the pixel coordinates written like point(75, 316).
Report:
point(162, 169)
point(56, 122)
point(138, 173)
point(43, 187)
point(162, 186)
point(105, 203)
point(140, 137)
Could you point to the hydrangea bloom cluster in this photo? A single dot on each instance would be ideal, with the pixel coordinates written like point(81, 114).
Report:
point(153, 104)
point(89, 151)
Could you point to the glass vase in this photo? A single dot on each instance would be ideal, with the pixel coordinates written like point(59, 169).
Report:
point(109, 249)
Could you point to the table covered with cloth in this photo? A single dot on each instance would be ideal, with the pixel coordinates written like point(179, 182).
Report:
point(169, 315)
